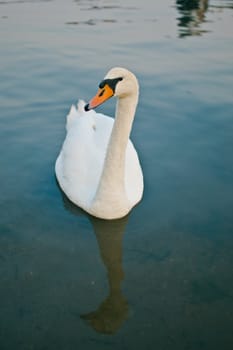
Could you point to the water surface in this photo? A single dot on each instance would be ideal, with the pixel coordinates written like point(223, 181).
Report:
point(160, 278)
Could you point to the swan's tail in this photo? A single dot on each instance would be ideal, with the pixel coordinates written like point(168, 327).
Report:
point(81, 104)
point(74, 113)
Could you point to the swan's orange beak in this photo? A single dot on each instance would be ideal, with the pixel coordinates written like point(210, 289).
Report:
point(102, 95)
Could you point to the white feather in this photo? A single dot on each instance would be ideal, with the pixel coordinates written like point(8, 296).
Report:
point(81, 161)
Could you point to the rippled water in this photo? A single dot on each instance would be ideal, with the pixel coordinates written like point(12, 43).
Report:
point(160, 278)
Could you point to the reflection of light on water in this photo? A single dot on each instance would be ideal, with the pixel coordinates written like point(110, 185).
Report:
point(91, 22)
point(192, 15)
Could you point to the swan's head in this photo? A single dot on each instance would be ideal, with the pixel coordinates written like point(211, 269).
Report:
point(118, 82)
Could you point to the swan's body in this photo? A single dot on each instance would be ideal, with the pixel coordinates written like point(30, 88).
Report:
point(98, 167)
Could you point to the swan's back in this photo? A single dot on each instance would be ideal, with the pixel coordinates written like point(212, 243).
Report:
point(80, 163)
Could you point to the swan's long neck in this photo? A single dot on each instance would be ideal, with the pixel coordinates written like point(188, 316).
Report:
point(114, 166)
point(111, 189)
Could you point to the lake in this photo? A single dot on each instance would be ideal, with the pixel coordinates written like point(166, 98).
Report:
point(162, 277)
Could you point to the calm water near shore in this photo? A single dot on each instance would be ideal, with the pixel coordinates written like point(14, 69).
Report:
point(161, 278)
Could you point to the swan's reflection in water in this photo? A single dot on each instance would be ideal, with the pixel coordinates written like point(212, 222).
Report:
point(111, 313)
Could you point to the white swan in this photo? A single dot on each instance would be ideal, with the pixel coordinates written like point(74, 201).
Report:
point(98, 167)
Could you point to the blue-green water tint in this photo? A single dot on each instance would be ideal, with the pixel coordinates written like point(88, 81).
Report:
point(161, 278)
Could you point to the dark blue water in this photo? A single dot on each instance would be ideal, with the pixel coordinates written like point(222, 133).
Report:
point(162, 278)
